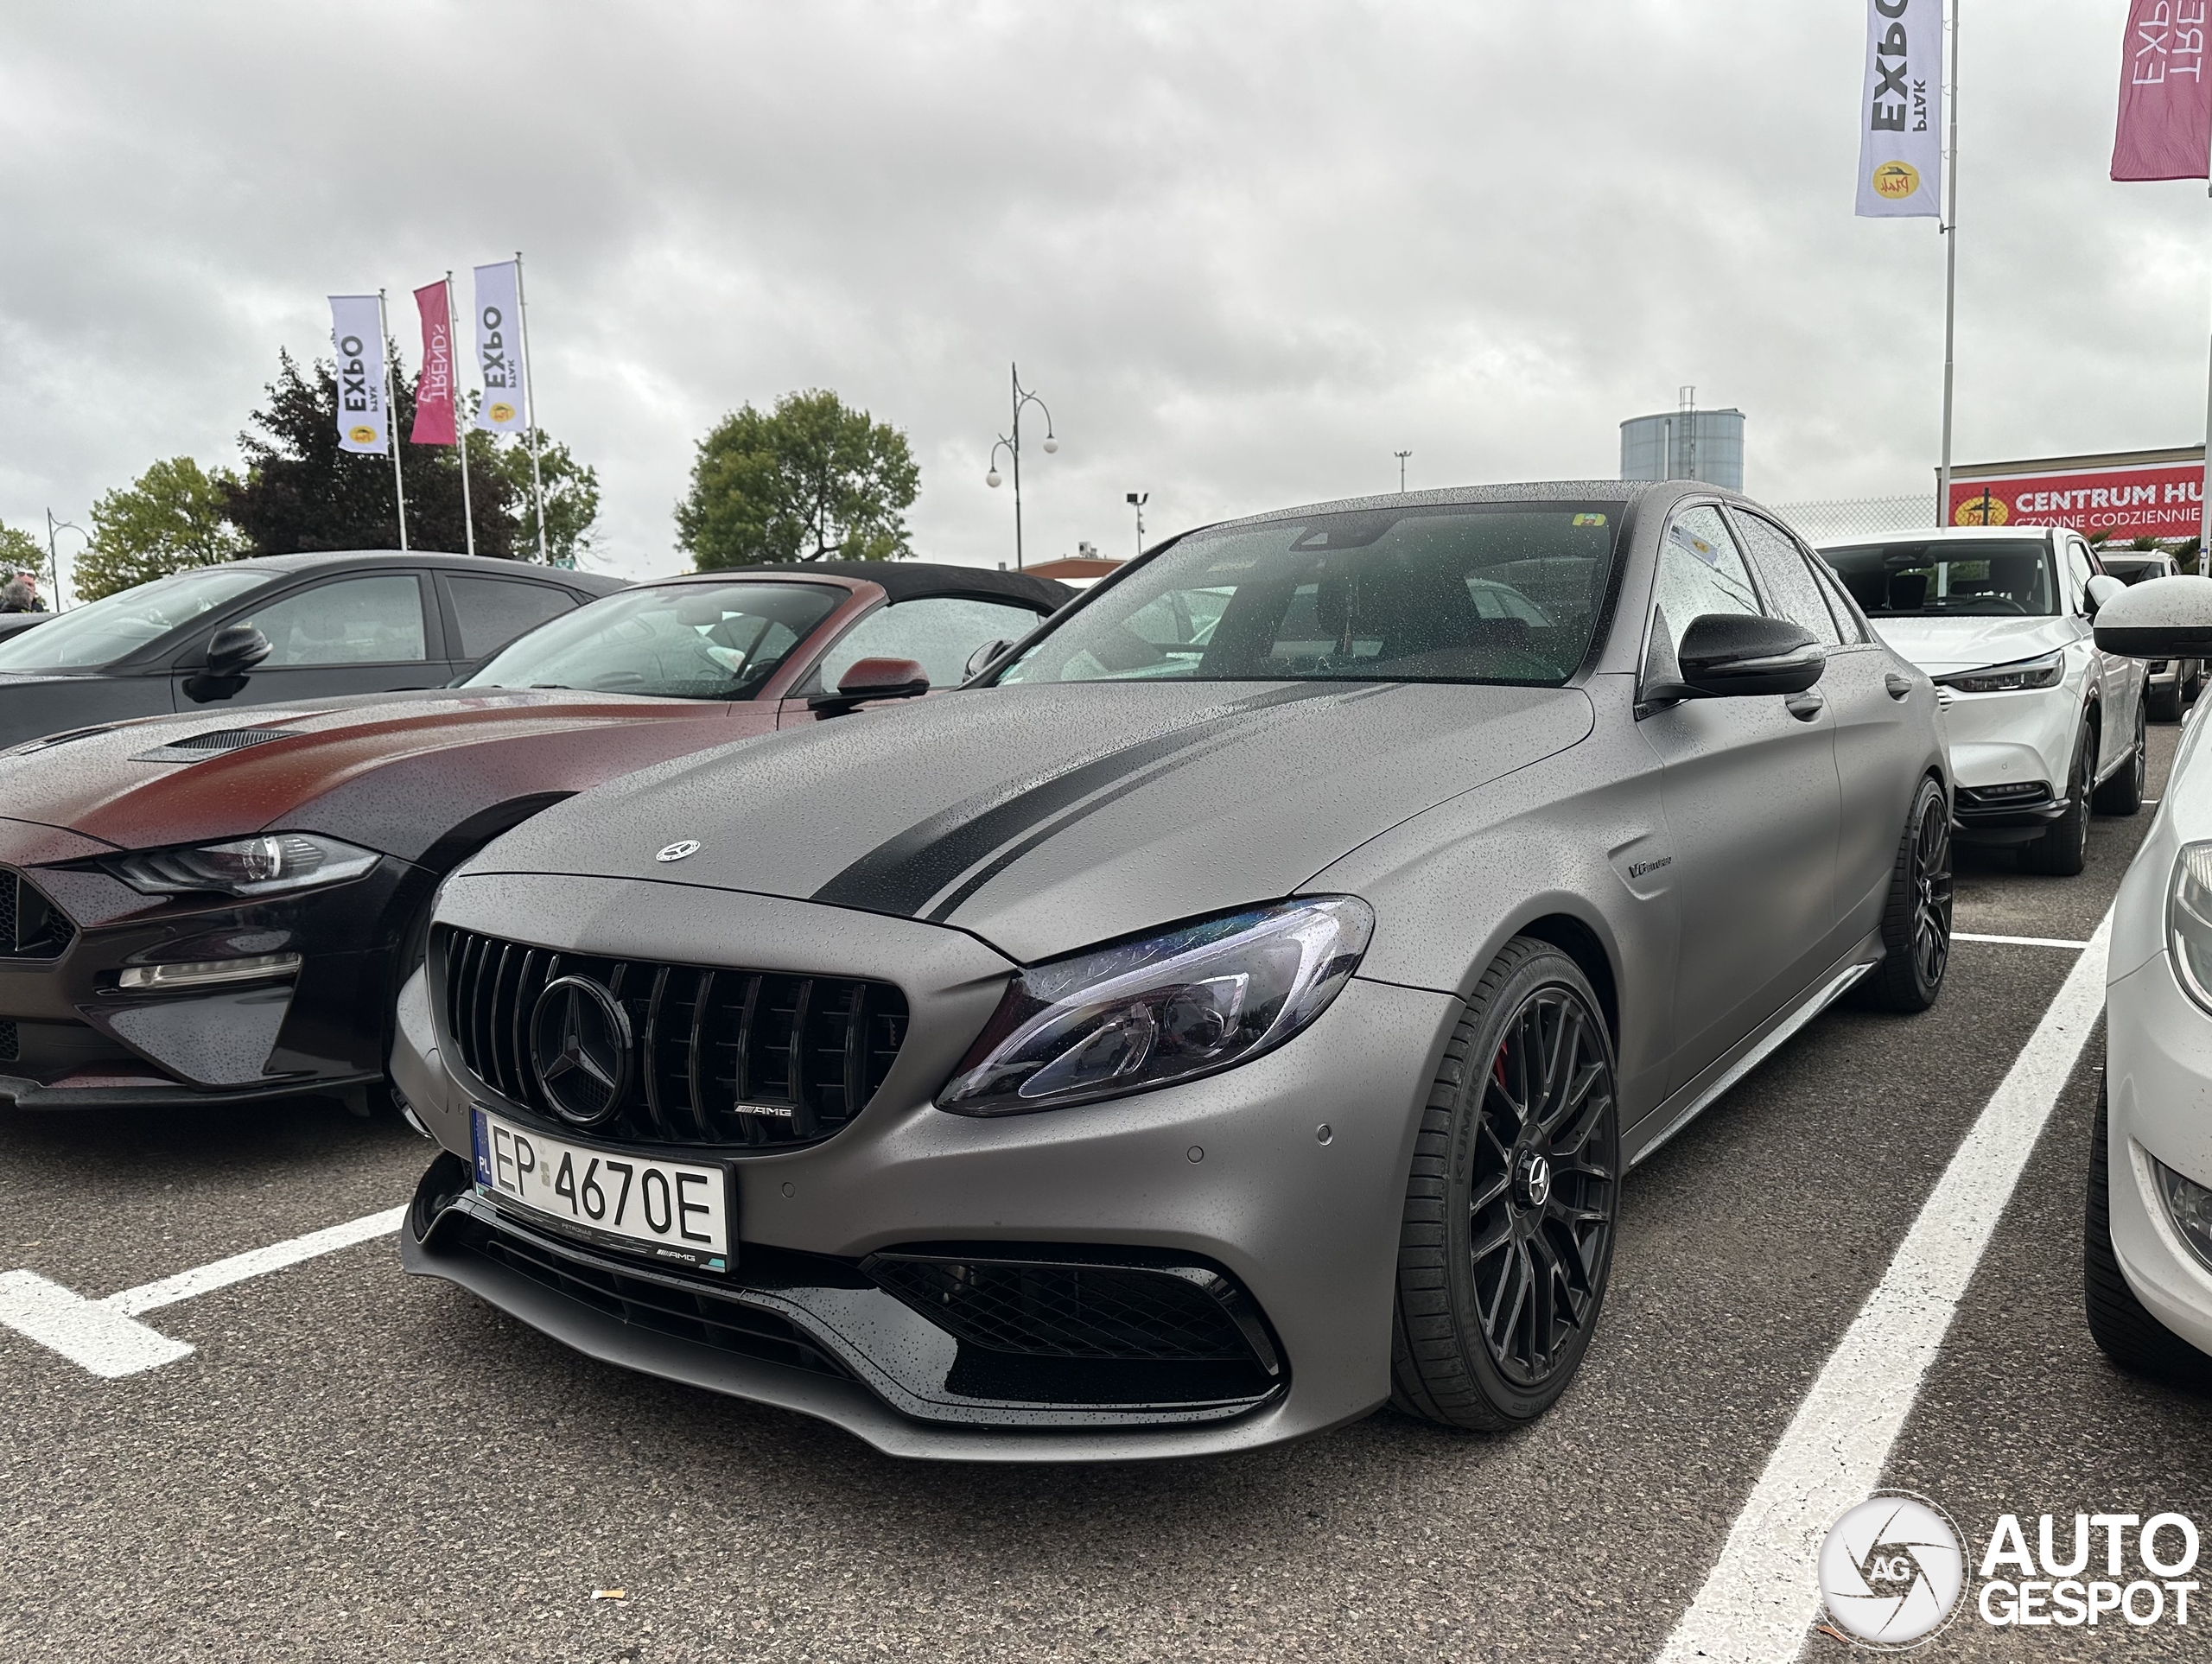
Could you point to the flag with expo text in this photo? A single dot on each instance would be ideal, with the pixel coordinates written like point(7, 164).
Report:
point(1901, 111)
point(498, 347)
point(357, 334)
point(2165, 108)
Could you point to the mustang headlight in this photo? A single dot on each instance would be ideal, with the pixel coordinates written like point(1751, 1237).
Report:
point(2044, 672)
point(272, 864)
point(1187, 1002)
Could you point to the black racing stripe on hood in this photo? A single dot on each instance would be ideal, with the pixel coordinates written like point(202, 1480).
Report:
point(901, 874)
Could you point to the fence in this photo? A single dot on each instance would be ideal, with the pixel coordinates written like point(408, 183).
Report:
point(1858, 516)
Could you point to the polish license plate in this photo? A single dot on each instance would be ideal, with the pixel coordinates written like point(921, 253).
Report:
point(677, 1212)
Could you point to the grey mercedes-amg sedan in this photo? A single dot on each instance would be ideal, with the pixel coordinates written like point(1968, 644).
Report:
point(1238, 1010)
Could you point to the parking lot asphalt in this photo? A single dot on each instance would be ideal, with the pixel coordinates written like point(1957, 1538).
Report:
point(358, 1465)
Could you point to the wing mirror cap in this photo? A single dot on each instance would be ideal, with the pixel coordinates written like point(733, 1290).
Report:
point(2159, 618)
point(983, 657)
point(1731, 655)
point(2102, 591)
point(873, 678)
point(234, 649)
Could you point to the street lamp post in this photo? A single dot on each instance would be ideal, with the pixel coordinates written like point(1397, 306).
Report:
point(1012, 447)
point(1402, 456)
point(1137, 500)
point(53, 554)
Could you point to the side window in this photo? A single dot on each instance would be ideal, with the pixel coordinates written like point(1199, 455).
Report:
point(1848, 618)
point(2078, 572)
point(1700, 572)
point(941, 632)
point(376, 620)
point(493, 611)
point(1796, 594)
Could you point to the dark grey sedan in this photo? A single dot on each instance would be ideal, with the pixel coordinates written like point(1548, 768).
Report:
point(1242, 1015)
point(276, 628)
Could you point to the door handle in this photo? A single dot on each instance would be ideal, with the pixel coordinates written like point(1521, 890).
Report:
point(1807, 705)
point(1899, 686)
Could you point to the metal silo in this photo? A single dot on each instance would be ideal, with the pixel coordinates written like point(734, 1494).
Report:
point(1685, 443)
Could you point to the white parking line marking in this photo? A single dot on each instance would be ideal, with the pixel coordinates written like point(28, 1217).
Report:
point(106, 1337)
point(1757, 1603)
point(2021, 940)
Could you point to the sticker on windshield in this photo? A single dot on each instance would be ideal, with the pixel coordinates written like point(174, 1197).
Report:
point(1589, 519)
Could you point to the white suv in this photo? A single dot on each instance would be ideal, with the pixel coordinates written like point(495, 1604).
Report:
point(2042, 721)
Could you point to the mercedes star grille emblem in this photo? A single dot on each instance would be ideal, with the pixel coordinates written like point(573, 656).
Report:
point(580, 1046)
point(679, 849)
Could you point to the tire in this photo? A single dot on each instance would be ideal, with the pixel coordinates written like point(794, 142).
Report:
point(2165, 703)
point(1507, 1239)
point(1916, 918)
point(2123, 1329)
point(2062, 851)
point(2123, 793)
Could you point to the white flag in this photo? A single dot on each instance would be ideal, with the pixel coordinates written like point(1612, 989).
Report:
point(1901, 113)
point(498, 347)
point(357, 333)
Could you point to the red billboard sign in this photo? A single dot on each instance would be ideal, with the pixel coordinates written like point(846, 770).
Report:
point(2128, 500)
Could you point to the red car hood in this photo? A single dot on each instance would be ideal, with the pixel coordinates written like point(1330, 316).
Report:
point(393, 774)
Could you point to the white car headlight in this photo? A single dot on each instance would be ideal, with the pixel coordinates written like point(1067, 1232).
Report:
point(2189, 921)
point(272, 864)
point(2045, 672)
point(1189, 1001)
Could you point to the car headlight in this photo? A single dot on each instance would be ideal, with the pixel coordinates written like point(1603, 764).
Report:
point(1189, 1001)
point(2045, 672)
point(272, 864)
point(2189, 921)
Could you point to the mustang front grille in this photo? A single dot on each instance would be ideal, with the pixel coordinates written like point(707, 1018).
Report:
point(717, 1056)
point(31, 927)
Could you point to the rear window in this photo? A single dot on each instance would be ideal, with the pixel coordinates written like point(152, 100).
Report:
point(1487, 593)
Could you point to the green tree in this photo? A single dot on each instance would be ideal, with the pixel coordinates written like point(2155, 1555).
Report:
point(300, 491)
point(170, 517)
point(812, 479)
point(20, 552)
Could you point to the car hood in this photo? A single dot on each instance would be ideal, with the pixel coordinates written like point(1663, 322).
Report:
point(361, 769)
point(1043, 818)
point(1944, 646)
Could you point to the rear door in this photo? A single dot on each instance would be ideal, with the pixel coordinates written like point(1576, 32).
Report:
point(367, 632)
point(1871, 703)
point(483, 614)
point(1752, 802)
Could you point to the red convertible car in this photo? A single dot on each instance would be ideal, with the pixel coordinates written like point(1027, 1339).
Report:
point(217, 907)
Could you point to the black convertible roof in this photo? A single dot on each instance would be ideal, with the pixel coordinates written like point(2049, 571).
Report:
point(912, 580)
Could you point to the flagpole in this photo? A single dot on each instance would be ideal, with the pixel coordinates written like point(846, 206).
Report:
point(460, 427)
point(529, 407)
point(1950, 277)
point(391, 418)
point(2204, 493)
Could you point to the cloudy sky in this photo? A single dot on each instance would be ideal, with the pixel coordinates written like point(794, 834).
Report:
point(1244, 250)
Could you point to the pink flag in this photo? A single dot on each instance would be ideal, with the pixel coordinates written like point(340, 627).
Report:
point(434, 387)
point(2165, 104)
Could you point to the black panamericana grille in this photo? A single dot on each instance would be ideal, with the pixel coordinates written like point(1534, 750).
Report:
point(721, 1057)
point(8, 1041)
point(31, 927)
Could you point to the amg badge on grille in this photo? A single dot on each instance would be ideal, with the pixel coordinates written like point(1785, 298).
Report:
point(679, 849)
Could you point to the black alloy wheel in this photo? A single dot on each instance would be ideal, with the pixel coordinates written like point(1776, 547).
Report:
point(2064, 851)
point(1508, 1238)
point(2123, 793)
point(1917, 921)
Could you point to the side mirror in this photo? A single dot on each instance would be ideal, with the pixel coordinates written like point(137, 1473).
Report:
point(2160, 618)
point(981, 659)
point(2103, 589)
point(234, 649)
point(1731, 655)
point(871, 678)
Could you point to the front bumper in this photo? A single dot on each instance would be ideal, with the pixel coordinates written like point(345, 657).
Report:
point(1229, 1172)
point(2005, 741)
point(2158, 1088)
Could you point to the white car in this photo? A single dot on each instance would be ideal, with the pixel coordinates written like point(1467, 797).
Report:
point(2148, 1240)
point(2042, 721)
point(2174, 682)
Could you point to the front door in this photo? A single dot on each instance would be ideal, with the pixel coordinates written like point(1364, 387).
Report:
point(364, 634)
point(1751, 801)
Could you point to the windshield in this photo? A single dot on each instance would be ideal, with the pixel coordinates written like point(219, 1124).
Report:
point(1922, 578)
point(99, 632)
point(678, 641)
point(1506, 592)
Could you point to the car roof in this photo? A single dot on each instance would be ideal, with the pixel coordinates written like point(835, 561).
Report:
point(597, 583)
point(905, 580)
point(1941, 535)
